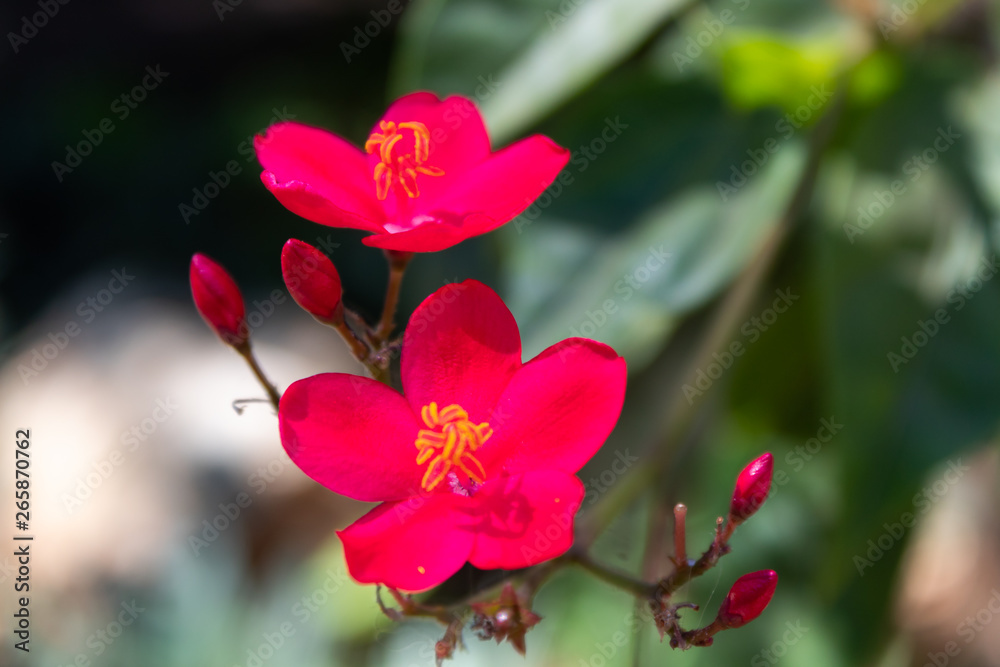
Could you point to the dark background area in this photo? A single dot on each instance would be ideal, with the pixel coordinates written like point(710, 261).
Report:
point(226, 80)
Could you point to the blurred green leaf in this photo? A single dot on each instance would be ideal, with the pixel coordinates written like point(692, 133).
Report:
point(770, 69)
point(539, 55)
point(623, 291)
point(583, 43)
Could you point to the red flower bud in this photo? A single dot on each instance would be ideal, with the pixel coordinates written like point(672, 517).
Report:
point(752, 487)
point(219, 301)
point(313, 281)
point(747, 598)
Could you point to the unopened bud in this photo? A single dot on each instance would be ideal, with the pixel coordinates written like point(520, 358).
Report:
point(752, 487)
point(747, 598)
point(313, 281)
point(218, 299)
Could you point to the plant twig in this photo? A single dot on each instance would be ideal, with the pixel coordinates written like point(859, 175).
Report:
point(247, 354)
point(397, 268)
point(626, 582)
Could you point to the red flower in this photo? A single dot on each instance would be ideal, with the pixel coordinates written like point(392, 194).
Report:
point(428, 181)
point(476, 462)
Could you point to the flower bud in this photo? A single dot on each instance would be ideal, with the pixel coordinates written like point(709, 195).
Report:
point(747, 598)
point(752, 487)
point(313, 281)
point(219, 301)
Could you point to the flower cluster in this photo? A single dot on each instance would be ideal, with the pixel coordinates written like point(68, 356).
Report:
point(472, 457)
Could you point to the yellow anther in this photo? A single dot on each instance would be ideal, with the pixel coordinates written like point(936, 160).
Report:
point(448, 442)
point(397, 165)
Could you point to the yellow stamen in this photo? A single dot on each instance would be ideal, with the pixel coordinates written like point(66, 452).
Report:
point(448, 442)
point(398, 166)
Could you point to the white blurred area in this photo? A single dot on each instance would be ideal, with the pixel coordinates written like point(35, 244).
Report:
point(135, 441)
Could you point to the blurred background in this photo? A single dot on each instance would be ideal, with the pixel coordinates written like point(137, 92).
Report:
point(823, 178)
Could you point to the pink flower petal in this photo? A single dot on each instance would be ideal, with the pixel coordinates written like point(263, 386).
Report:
point(352, 435)
point(502, 186)
point(412, 544)
point(462, 347)
point(525, 519)
point(558, 409)
point(430, 234)
point(319, 176)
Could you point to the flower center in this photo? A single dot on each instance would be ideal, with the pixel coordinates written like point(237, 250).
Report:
point(448, 442)
point(398, 166)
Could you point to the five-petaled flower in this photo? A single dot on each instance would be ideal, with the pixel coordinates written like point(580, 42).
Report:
point(476, 461)
point(425, 181)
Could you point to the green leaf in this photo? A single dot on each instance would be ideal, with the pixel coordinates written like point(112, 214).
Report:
point(623, 291)
point(580, 48)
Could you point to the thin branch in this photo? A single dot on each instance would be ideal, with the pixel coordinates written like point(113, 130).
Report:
point(397, 268)
point(247, 354)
